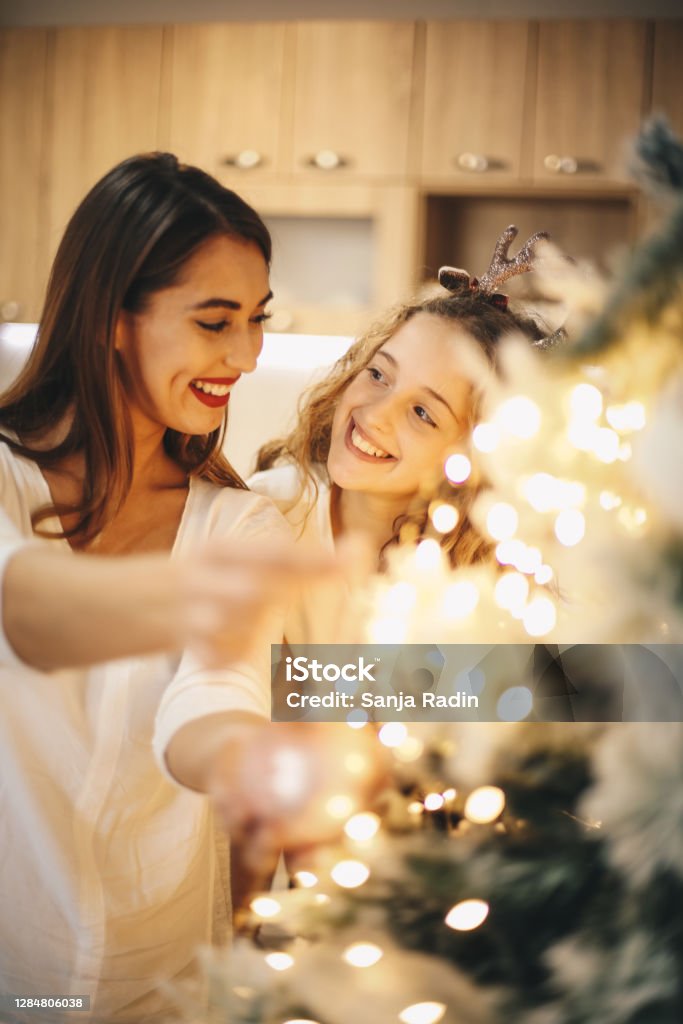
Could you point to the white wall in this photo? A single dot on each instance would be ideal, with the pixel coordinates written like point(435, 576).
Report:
point(103, 12)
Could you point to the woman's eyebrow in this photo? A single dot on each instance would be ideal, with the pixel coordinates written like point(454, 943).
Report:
point(217, 303)
point(423, 387)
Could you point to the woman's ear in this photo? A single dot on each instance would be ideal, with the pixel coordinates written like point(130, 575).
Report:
point(122, 331)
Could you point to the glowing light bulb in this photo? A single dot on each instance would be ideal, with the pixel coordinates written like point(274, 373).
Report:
point(540, 616)
point(301, 1020)
point(362, 827)
point(355, 763)
point(543, 575)
point(467, 915)
point(363, 954)
point(434, 802)
point(627, 417)
point(457, 468)
point(529, 560)
point(357, 719)
point(409, 750)
point(422, 1013)
point(519, 416)
point(609, 500)
point(279, 961)
point(428, 555)
point(306, 879)
point(265, 906)
point(511, 591)
point(570, 527)
point(460, 599)
point(449, 794)
point(502, 520)
point(509, 552)
point(415, 807)
point(339, 806)
point(585, 401)
point(484, 804)
point(393, 734)
point(486, 437)
point(445, 518)
point(349, 874)
point(606, 445)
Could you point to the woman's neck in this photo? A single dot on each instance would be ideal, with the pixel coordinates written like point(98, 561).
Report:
point(373, 515)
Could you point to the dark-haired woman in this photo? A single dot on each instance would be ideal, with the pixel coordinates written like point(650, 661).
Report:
point(110, 445)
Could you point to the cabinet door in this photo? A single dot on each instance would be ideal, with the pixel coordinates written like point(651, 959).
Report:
point(589, 99)
point(475, 73)
point(667, 84)
point(352, 94)
point(104, 106)
point(22, 85)
point(225, 96)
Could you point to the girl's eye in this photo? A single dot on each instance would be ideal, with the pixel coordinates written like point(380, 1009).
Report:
point(423, 415)
point(375, 374)
point(216, 327)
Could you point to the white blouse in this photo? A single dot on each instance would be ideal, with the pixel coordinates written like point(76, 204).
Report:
point(113, 874)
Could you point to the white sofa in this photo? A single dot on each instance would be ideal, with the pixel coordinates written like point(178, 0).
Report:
point(263, 404)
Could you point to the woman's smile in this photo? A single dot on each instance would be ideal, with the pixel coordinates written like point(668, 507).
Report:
point(213, 391)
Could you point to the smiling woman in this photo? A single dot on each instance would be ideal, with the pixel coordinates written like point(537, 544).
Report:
point(114, 869)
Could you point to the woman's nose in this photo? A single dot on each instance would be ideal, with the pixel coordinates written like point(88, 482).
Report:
point(244, 349)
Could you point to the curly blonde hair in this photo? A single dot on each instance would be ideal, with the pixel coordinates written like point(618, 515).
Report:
point(308, 445)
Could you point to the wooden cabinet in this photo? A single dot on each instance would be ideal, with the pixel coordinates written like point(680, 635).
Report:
point(667, 78)
point(352, 98)
point(590, 92)
point(22, 126)
point(474, 92)
point(224, 97)
point(103, 105)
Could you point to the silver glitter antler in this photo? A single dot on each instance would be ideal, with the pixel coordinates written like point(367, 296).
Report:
point(501, 267)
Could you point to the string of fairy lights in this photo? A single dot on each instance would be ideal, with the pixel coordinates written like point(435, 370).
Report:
point(483, 805)
point(554, 452)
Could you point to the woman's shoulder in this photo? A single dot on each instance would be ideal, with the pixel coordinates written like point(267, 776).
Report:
point(20, 488)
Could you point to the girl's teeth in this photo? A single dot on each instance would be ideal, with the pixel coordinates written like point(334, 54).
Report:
point(364, 446)
point(211, 389)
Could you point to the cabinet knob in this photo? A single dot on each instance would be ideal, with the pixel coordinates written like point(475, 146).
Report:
point(561, 164)
point(245, 159)
point(9, 310)
point(326, 160)
point(473, 162)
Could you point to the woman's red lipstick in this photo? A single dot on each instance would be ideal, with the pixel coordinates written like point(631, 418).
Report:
point(213, 401)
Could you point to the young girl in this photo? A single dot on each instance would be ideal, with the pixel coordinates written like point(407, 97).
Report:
point(113, 868)
point(371, 439)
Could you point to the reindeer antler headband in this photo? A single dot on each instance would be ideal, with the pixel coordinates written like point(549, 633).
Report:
point(500, 269)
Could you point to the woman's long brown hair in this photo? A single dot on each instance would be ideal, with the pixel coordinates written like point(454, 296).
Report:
point(130, 237)
point(308, 445)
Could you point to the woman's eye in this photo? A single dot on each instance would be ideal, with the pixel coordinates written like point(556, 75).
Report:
point(375, 374)
point(423, 415)
point(261, 318)
point(216, 327)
